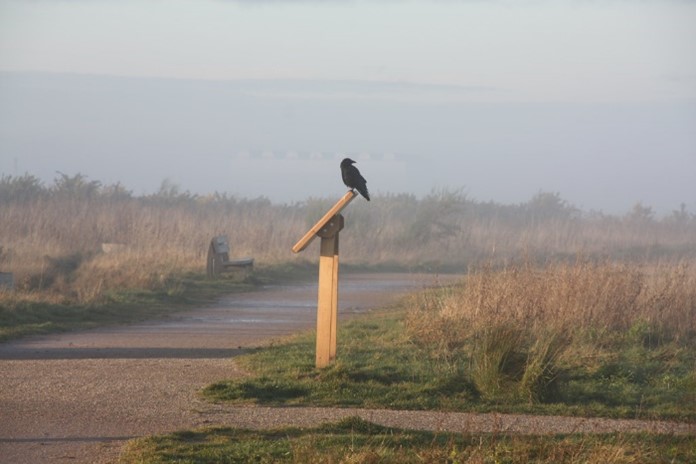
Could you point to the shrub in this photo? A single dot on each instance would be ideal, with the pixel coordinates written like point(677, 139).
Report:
point(514, 324)
point(170, 232)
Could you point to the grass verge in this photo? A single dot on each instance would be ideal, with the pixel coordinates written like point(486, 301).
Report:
point(380, 366)
point(355, 440)
point(26, 317)
point(22, 315)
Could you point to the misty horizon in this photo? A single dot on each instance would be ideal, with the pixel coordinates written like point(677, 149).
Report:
point(271, 139)
point(595, 101)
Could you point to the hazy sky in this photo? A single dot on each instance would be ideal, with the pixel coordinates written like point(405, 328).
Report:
point(595, 100)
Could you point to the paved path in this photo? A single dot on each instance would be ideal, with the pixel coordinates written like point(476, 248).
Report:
point(76, 397)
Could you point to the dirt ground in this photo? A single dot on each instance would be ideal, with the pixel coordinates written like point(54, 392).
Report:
point(77, 397)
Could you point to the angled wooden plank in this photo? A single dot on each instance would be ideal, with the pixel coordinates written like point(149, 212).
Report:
point(312, 233)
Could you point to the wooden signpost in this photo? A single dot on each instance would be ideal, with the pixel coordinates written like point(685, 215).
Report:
point(327, 228)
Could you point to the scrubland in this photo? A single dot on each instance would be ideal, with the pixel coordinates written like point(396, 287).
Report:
point(580, 333)
point(572, 338)
point(559, 311)
point(77, 240)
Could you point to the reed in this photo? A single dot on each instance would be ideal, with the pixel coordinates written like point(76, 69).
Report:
point(516, 323)
point(52, 237)
point(568, 296)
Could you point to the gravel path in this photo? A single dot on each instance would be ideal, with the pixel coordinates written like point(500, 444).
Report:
point(77, 397)
point(255, 417)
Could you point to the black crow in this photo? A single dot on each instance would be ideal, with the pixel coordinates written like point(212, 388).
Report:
point(353, 179)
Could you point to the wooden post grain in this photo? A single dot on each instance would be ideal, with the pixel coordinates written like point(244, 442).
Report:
point(327, 305)
point(328, 229)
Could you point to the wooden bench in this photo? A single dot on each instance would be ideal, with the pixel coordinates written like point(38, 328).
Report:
point(219, 258)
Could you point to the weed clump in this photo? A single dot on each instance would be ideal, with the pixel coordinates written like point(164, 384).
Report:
point(121, 241)
point(515, 326)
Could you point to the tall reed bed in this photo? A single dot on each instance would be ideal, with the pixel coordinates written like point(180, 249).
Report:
point(52, 237)
point(515, 323)
point(602, 296)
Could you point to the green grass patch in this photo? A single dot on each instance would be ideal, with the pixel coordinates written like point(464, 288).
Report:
point(380, 366)
point(24, 316)
point(355, 440)
point(377, 367)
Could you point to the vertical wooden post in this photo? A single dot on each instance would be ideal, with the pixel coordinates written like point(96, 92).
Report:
point(334, 301)
point(327, 228)
point(327, 306)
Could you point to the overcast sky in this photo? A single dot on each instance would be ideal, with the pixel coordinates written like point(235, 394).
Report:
point(595, 100)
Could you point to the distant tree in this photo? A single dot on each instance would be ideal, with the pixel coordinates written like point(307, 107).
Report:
point(168, 189)
point(680, 218)
point(116, 192)
point(681, 215)
point(437, 216)
point(640, 214)
point(22, 188)
point(171, 193)
point(546, 205)
point(77, 186)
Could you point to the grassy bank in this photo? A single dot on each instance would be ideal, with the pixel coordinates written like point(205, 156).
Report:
point(30, 315)
point(621, 345)
point(81, 240)
point(357, 441)
point(631, 355)
point(83, 253)
point(35, 313)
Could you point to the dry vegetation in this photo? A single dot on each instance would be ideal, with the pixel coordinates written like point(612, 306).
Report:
point(355, 441)
point(520, 323)
point(52, 237)
point(564, 297)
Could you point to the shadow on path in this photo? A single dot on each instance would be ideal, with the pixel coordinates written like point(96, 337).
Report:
point(120, 353)
point(41, 440)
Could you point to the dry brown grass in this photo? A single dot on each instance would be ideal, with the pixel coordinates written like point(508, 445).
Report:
point(562, 296)
point(517, 323)
point(54, 245)
point(52, 237)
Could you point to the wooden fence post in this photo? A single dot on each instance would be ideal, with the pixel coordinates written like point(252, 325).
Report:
point(328, 228)
point(327, 305)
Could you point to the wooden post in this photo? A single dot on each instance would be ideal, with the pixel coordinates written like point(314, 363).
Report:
point(327, 228)
point(327, 305)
